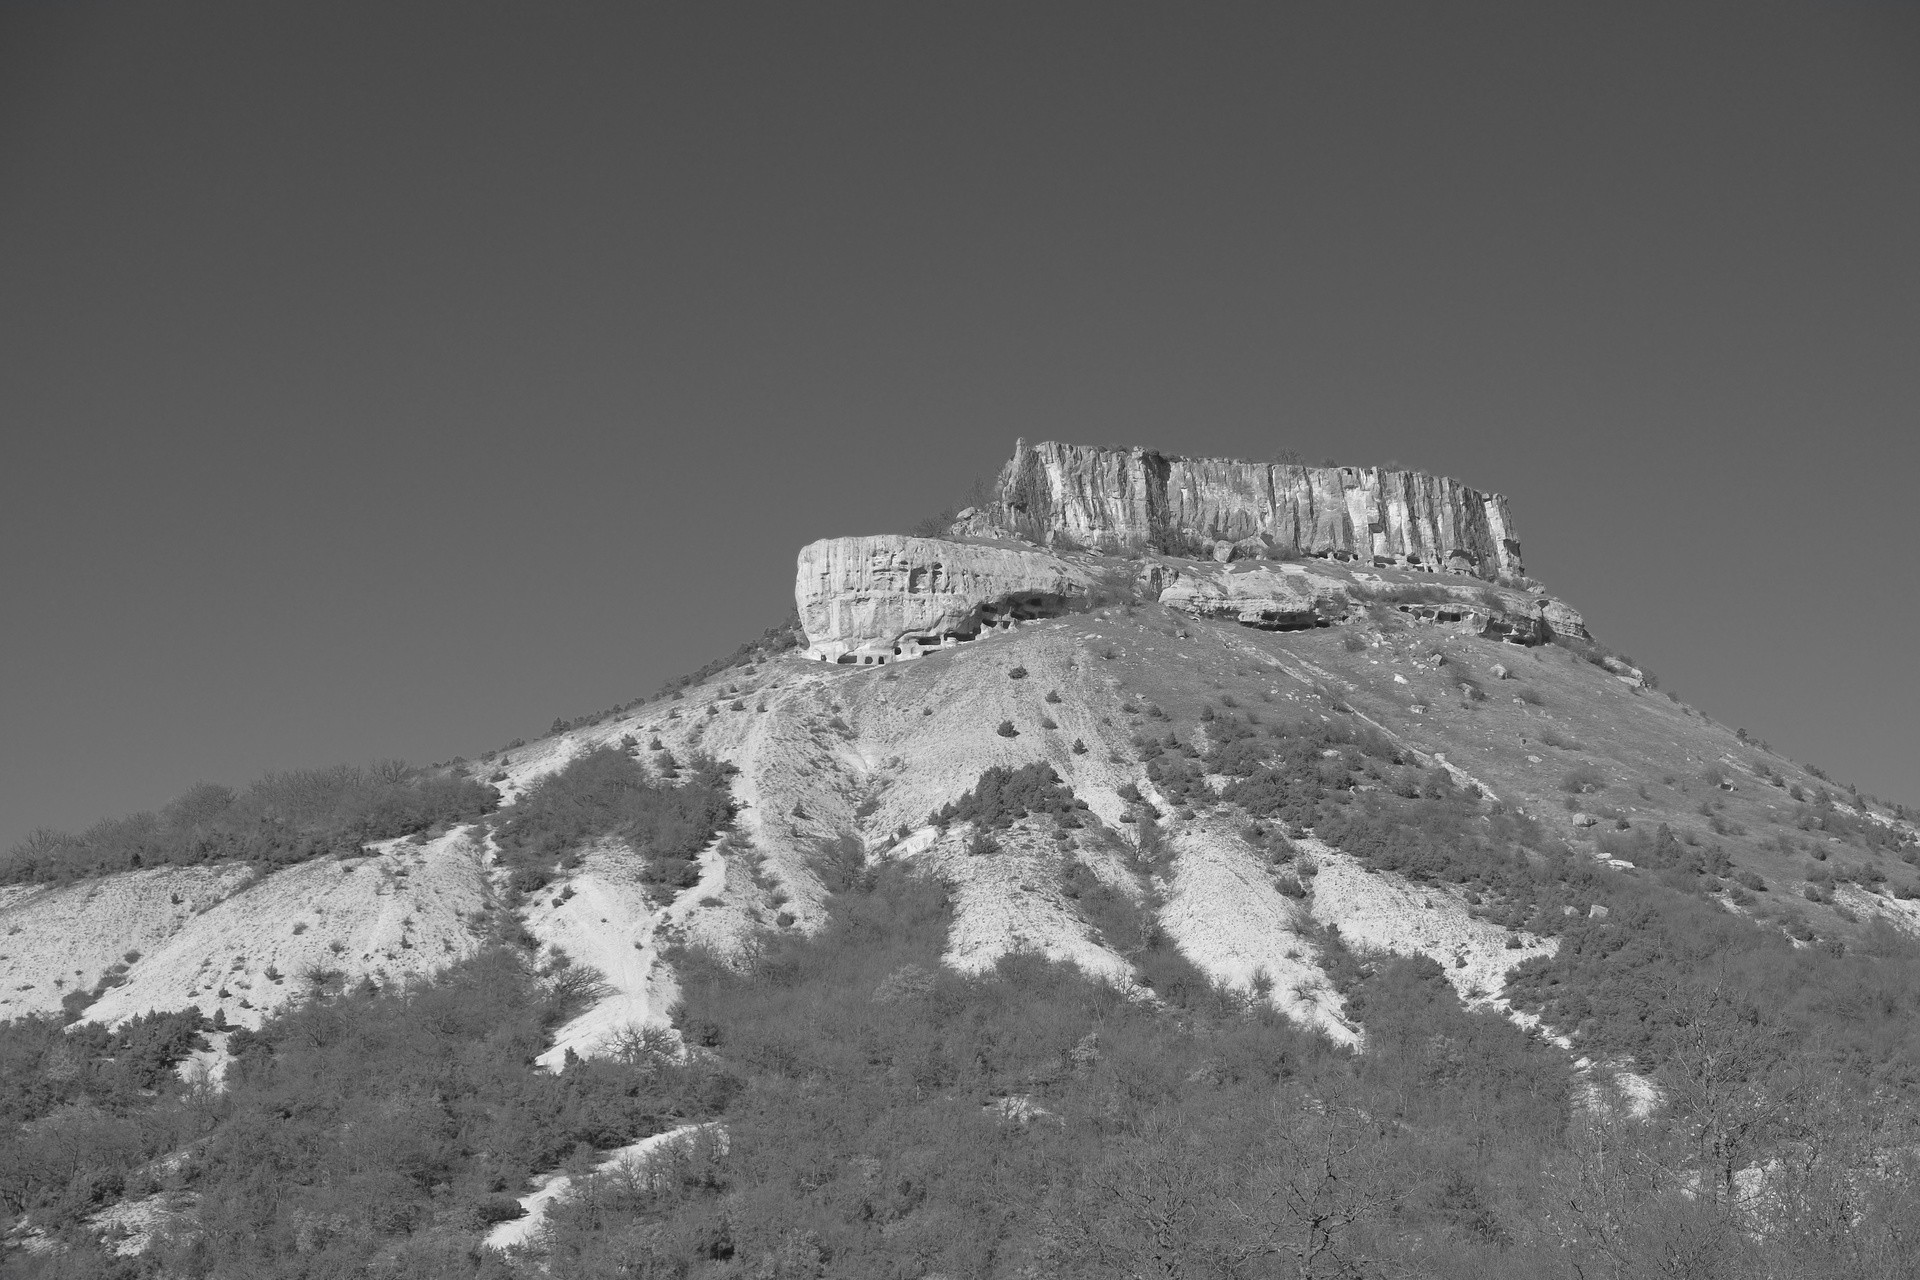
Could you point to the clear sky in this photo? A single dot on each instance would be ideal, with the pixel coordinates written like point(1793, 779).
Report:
point(388, 380)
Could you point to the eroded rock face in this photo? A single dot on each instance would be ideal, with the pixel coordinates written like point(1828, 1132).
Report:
point(1064, 495)
point(1273, 599)
point(870, 600)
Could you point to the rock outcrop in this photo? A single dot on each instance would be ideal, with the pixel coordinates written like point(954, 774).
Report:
point(1273, 599)
point(868, 600)
point(1268, 545)
point(1071, 496)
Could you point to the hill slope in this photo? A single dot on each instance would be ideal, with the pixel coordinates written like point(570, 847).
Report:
point(1214, 784)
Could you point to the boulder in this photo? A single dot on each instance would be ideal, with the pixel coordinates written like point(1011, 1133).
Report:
point(1563, 619)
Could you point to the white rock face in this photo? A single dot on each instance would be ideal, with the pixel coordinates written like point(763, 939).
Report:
point(870, 601)
point(221, 939)
point(1384, 912)
point(863, 599)
point(1058, 494)
point(1227, 917)
point(1259, 595)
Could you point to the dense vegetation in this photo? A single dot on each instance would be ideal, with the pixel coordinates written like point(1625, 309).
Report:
point(897, 1119)
point(1630, 943)
point(607, 794)
point(365, 1132)
point(283, 818)
point(884, 1116)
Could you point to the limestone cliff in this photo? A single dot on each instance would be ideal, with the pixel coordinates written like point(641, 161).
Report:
point(1063, 495)
point(869, 599)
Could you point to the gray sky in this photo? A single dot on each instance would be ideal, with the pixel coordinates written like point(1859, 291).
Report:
point(389, 380)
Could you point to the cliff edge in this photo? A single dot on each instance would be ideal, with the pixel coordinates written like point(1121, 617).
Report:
point(1070, 496)
point(1271, 545)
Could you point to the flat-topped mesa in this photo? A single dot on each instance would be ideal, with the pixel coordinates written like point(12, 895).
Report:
point(1069, 496)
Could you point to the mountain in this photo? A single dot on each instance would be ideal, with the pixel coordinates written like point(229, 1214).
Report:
point(1242, 749)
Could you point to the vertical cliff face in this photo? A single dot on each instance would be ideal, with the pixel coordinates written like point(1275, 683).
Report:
point(1062, 494)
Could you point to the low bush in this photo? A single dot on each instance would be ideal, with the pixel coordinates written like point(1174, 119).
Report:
point(1003, 796)
point(1582, 779)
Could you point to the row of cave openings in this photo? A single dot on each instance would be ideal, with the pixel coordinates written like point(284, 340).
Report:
point(1005, 614)
point(999, 615)
point(1508, 630)
point(1457, 561)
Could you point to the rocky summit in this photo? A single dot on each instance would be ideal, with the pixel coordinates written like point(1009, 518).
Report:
point(1179, 867)
point(1071, 496)
point(1270, 545)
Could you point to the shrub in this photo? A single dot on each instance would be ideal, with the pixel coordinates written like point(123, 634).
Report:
point(1582, 779)
point(498, 1208)
point(1017, 673)
point(281, 819)
point(1006, 729)
point(606, 793)
point(937, 525)
point(1001, 796)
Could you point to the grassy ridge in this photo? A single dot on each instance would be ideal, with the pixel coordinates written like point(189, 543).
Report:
point(281, 819)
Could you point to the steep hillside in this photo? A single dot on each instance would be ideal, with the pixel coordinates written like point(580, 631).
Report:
point(1141, 669)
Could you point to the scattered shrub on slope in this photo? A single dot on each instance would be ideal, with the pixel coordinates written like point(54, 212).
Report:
point(771, 643)
point(607, 793)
